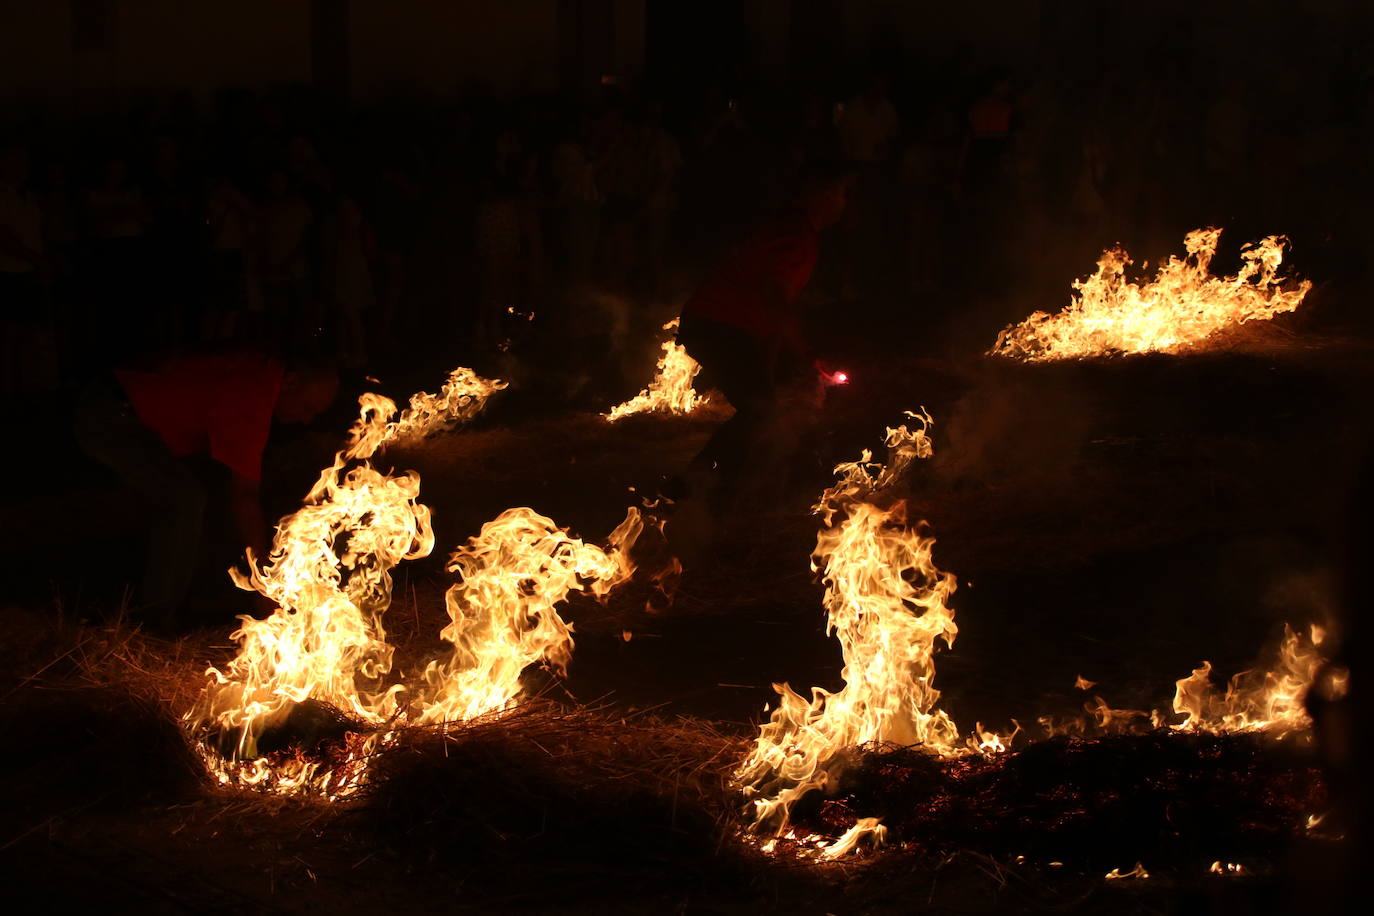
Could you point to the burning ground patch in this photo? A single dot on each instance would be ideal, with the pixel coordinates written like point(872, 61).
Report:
point(1170, 800)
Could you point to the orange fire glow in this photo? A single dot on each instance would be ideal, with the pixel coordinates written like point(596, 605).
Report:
point(887, 604)
point(502, 613)
point(1179, 309)
point(671, 389)
point(330, 575)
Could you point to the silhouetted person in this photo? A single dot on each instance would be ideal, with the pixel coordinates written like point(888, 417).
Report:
point(742, 326)
point(119, 310)
point(25, 276)
point(285, 221)
point(148, 416)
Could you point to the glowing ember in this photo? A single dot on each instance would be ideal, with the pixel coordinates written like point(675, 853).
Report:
point(886, 602)
point(1180, 308)
point(671, 389)
point(502, 613)
point(1137, 872)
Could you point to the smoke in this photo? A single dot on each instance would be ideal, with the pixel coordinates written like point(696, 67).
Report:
point(1016, 428)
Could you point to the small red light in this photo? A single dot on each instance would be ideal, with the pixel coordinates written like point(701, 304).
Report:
point(841, 377)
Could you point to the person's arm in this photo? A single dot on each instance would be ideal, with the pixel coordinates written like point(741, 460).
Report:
point(245, 505)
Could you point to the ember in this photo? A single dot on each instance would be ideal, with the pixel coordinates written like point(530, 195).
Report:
point(1167, 799)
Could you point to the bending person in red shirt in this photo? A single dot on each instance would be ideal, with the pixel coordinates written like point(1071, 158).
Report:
point(742, 327)
point(147, 418)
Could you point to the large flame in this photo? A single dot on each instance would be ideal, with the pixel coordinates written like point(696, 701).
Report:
point(887, 604)
point(329, 574)
point(502, 613)
point(671, 389)
point(1180, 308)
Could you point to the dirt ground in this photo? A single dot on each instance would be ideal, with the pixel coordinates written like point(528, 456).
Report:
point(1121, 520)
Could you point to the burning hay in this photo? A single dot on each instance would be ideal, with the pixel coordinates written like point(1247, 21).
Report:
point(886, 603)
point(671, 389)
point(1179, 309)
point(1168, 800)
point(463, 396)
point(309, 698)
point(502, 613)
point(330, 577)
point(329, 574)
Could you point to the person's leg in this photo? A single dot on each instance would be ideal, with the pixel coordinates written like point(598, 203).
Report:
point(107, 429)
point(734, 363)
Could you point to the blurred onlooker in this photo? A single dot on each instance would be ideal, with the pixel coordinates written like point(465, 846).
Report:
point(814, 139)
point(622, 172)
point(868, 128)
point(868, 124)
point(284, 224)
point(929, 176)
point(231, 288)
point(1227, 141)
point(172, 236)
point(662, 163)
point(28, 359)
point(577, 208)
point(62, 243)
point(346, 289)
point(496, 244)
point(121, 315)
point(989, 133)
point(396, 220)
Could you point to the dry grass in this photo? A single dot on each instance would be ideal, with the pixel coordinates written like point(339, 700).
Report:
point(547, 783)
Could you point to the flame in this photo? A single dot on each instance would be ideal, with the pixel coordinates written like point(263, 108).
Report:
point(463, 396)
point(864, 827)
point(671, 389)
point(1227, 868)
point(1270, 701)
point(887, 604)
point(1180, 308)
point(329, 573)
point(502, 614)
point(1137, 872)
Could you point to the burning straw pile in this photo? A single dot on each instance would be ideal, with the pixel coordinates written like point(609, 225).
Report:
point(879, 760)
point(1181, 308)
point(1170, 800)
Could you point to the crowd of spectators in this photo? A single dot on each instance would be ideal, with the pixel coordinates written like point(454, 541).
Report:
point(371, 236)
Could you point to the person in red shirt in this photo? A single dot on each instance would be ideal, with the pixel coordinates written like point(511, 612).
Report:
point(742, 326)
point(153, 414)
